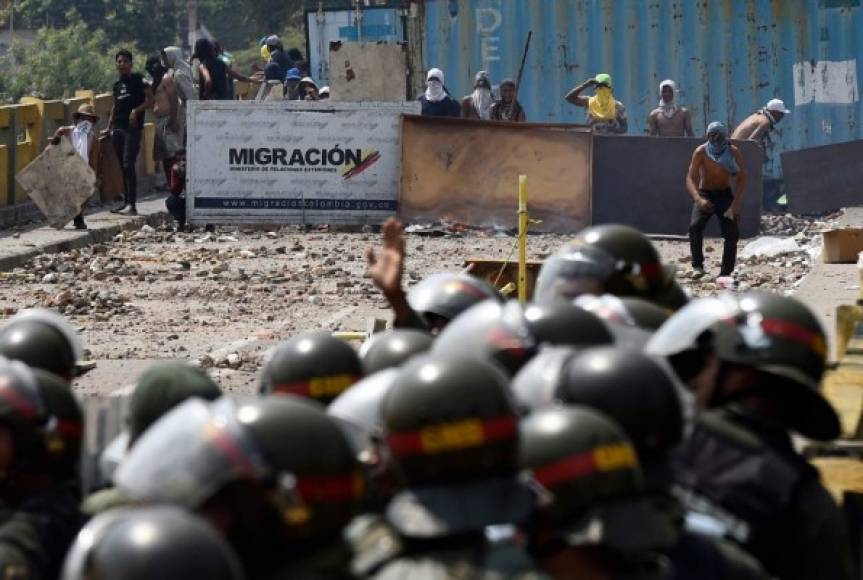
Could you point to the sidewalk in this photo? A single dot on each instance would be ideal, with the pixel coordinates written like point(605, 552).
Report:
point(830, 285)
point(16, 248)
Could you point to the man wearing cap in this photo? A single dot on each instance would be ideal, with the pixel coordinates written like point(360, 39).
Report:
point(758, 125)
point(85, 141)
point(669, 119)
point(605, 114)
point(279, 57)
point(507, 108)
point(324, 93)
point(436, 102)
point(477, 105)
point(709, 183)
point(307, 90)
point(292, 84)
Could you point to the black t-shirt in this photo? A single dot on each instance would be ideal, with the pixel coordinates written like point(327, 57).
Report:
point(128, 95)
point(219, 77)
point(447, 107)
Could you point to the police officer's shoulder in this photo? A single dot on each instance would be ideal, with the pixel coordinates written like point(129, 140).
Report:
point(737, 563)
point(14, 564)
point(104, 500)
point(374, 543)
point(719, 423)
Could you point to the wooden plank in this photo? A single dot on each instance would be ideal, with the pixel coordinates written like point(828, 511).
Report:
point(467, 171)
point(843, 387)
point(842, 246)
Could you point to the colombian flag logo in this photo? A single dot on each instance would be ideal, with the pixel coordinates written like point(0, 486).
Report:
point(370, 157)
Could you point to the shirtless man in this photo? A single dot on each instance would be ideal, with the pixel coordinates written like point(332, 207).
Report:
point(165, 110)
point(669, 119)
point(757, 126)
point(709, 183)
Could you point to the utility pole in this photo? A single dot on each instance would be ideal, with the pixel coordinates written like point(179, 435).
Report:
point(192, 12)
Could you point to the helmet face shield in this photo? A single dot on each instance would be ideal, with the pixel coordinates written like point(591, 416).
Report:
point(189, 454)
point(682, 330)
point(573, 271)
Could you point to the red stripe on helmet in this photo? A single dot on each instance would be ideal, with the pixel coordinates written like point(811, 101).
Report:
point(794, 332)
point(566, 470)
point(329, 488)
point(451, 436)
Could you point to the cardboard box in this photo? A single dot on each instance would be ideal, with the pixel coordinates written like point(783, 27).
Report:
point(842, 246)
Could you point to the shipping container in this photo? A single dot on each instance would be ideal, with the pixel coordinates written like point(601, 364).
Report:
point(729, 57)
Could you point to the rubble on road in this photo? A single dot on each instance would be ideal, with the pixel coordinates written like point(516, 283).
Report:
point(154, 293)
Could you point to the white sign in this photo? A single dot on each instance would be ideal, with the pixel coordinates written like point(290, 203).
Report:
point(293, 162)
point(825, 81)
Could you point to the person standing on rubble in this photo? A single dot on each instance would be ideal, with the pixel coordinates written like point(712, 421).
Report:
point(132, 97)
point(436, 102)
point(85, 140)
point(711, 170)
point(669, 119)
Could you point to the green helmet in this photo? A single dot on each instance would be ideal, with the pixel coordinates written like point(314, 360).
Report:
point(315, 365)
point(449, 418)
point(590, 487)
point(302, 465)
point(780, 337)
point(161, 388)
point(392, 348)
point(563, 323)
point(22, 411)
point(64, 430)
point(632, 389)
point(447, 294)
point(638, 270)
point(574, 270)
point(41, 339)
point(491, 331)
point(146, 543)
point(672, 296)
point(580, 459)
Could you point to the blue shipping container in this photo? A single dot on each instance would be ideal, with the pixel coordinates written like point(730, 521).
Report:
point(729, 57)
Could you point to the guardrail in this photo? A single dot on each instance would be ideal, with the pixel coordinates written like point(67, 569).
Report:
point(25, 129)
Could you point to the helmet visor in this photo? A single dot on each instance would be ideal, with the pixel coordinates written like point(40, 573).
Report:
point(681, 331)
point(189, 454)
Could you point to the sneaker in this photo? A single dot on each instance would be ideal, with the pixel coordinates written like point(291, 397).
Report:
point(79, 224)
point(128, 210)
point(120, 209)
point(698, 272)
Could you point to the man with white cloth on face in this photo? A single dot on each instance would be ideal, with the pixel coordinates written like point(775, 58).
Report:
point(669, 119)
point(477, 105)
point(85, 140)
point(435, 101)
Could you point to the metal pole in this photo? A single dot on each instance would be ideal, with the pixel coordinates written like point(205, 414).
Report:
point(522, 238)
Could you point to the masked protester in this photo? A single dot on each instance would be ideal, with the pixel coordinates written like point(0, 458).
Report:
point(605, 114)
point(436, 102)
point(758, 125)
point(715, 183)
point(213, 72)
point(85, 141)
point(477, 105)
point(507, 108)
point(669, 119)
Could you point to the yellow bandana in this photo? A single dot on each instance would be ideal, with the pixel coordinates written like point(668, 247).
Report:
point(602, 106)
